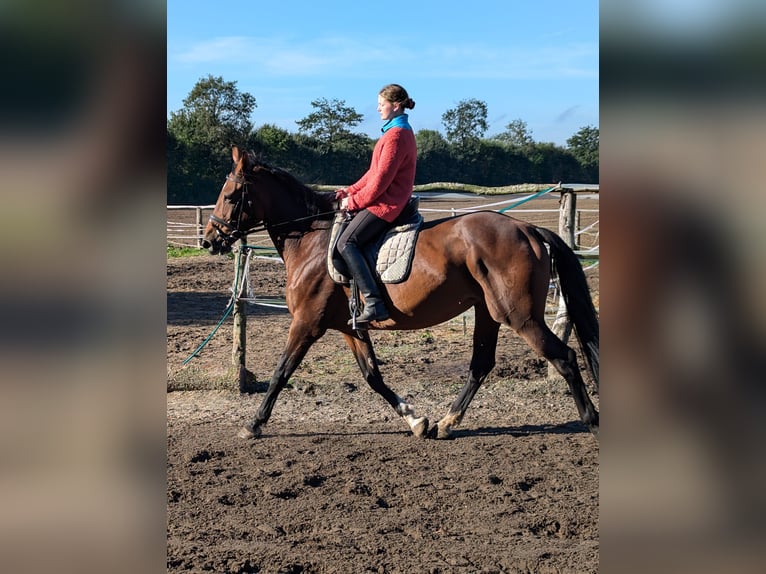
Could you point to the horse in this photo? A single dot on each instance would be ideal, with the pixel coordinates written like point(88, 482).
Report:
point(486, 260)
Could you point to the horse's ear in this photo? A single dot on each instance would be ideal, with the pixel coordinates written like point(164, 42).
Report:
point(236, 154)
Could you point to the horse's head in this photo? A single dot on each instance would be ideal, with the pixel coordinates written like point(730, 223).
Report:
point(235, 210)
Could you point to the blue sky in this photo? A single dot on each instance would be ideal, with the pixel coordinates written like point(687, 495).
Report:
point(536, 60)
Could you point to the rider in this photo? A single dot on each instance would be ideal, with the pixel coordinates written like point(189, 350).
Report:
point(379, 196)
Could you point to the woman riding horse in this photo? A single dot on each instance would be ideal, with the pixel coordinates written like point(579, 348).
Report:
point(379, 197)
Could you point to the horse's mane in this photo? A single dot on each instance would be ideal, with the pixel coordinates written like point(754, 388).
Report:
point(317, 202)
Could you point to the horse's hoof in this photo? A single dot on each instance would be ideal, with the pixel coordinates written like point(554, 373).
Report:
point(420, 429)
point(594, 429)
point(443, 432)
point(249, 432)
point(439, 432)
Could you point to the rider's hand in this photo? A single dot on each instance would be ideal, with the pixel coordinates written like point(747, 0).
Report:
point(340, 193)
point(344, 203)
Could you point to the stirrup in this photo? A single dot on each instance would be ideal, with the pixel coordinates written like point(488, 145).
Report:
point(353, 302)
point(377, 310)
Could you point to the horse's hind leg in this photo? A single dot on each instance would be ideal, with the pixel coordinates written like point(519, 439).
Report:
point(482, 362)
point(361, 346)
point(564, 359)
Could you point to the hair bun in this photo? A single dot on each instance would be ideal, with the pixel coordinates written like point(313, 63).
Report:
point(409, 104)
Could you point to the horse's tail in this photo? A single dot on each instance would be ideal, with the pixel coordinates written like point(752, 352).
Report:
point(574, 288)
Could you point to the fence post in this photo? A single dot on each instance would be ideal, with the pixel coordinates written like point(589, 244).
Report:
point(200, 229)
point(577, 226)
point(562, 326)
point(239, 349)
point(567, 213)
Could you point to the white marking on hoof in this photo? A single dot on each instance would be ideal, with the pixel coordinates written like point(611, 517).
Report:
point(418, 425)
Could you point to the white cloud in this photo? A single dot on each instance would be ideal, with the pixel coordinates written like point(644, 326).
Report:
point(330, 56)
point(216, 50)
point(285, 57)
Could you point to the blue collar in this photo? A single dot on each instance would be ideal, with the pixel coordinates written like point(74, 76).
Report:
point(397, 122)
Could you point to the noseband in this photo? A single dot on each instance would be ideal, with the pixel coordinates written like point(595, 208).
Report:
point(225, 230)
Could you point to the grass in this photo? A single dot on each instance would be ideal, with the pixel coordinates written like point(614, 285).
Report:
point(175, 251)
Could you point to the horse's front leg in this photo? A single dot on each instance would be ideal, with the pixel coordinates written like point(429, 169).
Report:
point(300, 337)
point(361, 346)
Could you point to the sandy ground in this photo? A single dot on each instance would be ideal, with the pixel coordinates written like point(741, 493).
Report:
point(337, 483)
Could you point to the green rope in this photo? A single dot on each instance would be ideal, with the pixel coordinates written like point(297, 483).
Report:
point(526, 199)
point(210, 336)
point(229, 308)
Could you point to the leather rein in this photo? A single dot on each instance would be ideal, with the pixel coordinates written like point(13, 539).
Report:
point(222, 226)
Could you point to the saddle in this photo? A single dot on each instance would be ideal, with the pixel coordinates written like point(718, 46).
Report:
point(390, 257)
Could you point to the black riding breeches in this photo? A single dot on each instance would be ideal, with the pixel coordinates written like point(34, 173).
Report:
point(365, 227)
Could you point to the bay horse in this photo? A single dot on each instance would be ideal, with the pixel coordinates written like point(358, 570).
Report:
point(486, 260)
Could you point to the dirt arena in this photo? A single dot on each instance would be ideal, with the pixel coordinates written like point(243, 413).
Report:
point(337, 483)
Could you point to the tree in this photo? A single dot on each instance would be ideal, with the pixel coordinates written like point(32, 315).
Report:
point(331, 122)
point(434, 158)
point(215, 113)
point(271, 138)
point(215, 116)
point(275, 146)
point(584, 146)
point(466, 123)
point(550, 163)
point(430, 141)
point(516, 133)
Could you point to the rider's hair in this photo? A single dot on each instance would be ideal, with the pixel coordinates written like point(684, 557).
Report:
point(396, 94)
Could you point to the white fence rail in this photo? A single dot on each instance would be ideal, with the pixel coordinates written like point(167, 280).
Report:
point(186, 230)
point(185, 233)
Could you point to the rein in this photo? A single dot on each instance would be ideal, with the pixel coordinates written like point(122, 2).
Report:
point(237, 233)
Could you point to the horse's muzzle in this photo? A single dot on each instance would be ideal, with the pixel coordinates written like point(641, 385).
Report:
point(214, 241)
point(216, 246)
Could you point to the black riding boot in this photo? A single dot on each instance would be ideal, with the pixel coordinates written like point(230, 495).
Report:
point(374, 306)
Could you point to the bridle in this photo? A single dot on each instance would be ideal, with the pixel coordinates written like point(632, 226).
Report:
point(230, 233)
point(225, 230)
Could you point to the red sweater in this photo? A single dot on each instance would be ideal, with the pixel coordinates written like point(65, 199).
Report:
point(387, 186)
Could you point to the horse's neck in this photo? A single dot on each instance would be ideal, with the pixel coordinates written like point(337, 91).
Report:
point(289, 219)
point(292, 242)
point(288, 222)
